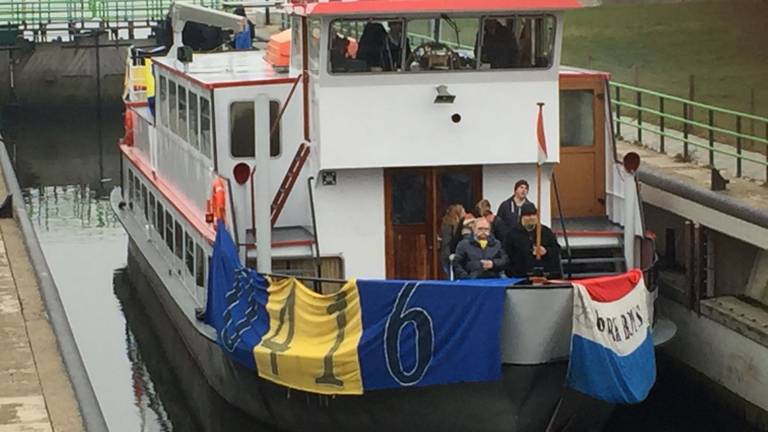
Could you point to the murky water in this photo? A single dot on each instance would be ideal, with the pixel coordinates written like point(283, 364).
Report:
point(67, 174)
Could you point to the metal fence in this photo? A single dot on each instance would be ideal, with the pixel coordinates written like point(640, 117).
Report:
point(44, 15)
point(717, 131)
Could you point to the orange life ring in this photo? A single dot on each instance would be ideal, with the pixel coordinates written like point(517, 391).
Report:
point(215, 207)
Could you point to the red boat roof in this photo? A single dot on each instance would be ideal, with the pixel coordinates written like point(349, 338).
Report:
point(371, 7)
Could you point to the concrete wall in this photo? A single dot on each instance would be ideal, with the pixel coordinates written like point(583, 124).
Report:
point(63, 75)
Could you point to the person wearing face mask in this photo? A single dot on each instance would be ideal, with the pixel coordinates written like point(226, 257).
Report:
point(520, 245)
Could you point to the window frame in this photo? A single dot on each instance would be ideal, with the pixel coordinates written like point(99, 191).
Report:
point(275, 140)
point(481, 19)
point(208, 117)
point(183, 117)
point(173, 115)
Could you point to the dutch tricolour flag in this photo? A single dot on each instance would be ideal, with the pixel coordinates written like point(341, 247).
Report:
point(612, 353)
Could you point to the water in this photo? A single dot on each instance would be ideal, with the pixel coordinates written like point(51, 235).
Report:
point(67, 175)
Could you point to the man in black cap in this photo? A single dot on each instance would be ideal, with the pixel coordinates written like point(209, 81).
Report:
point(508, 215)
point(520, 245)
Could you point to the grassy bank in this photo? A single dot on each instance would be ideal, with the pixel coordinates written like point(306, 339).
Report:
point(724, 44)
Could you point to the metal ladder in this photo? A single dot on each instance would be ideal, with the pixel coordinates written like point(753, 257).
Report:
point(302, 153)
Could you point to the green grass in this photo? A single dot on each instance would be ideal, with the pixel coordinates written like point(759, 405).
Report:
point(724, 44)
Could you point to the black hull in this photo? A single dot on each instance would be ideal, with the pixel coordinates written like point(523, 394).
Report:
point(524, 400)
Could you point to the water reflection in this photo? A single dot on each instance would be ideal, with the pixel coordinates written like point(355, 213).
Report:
point(170, 390)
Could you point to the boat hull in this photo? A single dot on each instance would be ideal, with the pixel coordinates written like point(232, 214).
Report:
point(527, 398)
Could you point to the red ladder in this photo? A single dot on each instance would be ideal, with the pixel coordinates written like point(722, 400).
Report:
point(302, 153)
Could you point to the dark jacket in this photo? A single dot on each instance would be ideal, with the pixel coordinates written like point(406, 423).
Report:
point(466, 263)
point(507, 217)
point(519, 247)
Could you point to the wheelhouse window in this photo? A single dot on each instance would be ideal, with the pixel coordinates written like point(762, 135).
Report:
point(241, 129)
point(182, 94)
point(145, 202)
point(314, 45)
point(205, 127)
point(441, 43)
point(518, 41)
point(172, 108)
point(152, 209)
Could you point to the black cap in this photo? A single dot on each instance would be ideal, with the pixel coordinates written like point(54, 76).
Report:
point(528, 209)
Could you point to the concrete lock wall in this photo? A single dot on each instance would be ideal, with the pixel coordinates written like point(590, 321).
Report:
point(734, 259)
point(61, 75)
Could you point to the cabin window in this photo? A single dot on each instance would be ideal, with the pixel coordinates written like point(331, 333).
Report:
point(442, 43)
point(182, 131)
point(179, 243)
point(137, 191)
point(241, 132)
point(130, 185)
point(189, 255)
point(160, 224)
point(518, 42)
point(314, 45)
point(367, 45)
point(205, 126)
point(199, 266)
point(152, 209)
point(172, 108)
point(275, 138)
point(296, 42)
point(193, 132)
point(169, 230)
point(145, 202)
point(241, 129)
point(577, 120)
point(163, 100)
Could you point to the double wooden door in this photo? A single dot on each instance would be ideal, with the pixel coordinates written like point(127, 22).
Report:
point(415, 202)
point(580, 175)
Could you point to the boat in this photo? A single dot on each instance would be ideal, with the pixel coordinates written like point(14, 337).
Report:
point(342, 161)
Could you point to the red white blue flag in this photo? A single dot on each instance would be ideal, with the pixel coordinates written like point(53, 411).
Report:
point(612, 353)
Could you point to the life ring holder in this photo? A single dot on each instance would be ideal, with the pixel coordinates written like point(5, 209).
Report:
point(216, 204)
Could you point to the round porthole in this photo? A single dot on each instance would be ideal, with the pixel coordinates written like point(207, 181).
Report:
point(456, 118)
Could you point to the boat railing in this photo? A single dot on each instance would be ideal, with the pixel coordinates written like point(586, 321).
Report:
point(732, 140)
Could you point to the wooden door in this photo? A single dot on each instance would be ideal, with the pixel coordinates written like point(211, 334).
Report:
point(409, 203)
point(415, 202)
point(580, 175)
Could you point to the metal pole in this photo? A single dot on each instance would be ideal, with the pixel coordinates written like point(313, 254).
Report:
point(738, 146)
point(711, 138)
point(98, 105)
point(685, 131)
point(618, 111)
point(661, 123)
point(263, 216)
point(629, 218)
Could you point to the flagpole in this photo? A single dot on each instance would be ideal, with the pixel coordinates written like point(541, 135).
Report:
point(538, 194)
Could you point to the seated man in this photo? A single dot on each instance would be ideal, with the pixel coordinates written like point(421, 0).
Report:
point(520, 246)
point(479, 257)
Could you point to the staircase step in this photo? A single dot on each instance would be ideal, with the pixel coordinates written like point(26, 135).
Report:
point(595, 260)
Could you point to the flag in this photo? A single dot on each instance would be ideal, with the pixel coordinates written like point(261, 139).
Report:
point(612, 353)
point(369, 335)
point(542, 150)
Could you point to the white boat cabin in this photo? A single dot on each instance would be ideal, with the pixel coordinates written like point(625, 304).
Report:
point(387, 113)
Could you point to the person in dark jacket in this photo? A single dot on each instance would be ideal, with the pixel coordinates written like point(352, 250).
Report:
point(520, 246)
point(508, 215)
point(479, 257)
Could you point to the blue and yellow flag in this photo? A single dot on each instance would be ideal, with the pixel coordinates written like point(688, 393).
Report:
point(370, 334)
